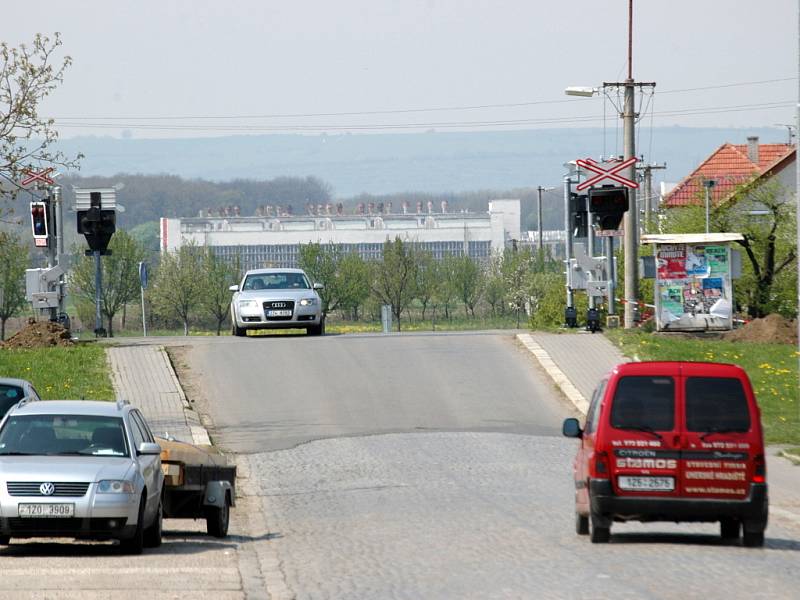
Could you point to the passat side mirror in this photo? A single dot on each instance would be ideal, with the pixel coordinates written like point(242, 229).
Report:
point(148, 448)
point(571, 428)
point(319, 286)
point(233, 288)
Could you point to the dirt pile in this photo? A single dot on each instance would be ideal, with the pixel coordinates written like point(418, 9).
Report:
point(39, 334)
point(772, 329)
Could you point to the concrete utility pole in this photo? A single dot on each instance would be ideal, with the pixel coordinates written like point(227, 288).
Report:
point(568, 238)
point(647, 176)
point(797, 193)
point(540, 189)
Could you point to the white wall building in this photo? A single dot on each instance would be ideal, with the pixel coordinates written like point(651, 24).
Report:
point(275, 241)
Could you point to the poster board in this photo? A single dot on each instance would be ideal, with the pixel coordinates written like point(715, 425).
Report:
point(693, 286)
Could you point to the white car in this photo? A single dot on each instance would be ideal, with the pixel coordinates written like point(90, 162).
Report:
point(276, 299)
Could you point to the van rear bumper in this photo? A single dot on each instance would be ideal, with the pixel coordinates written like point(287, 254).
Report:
point(604, 502)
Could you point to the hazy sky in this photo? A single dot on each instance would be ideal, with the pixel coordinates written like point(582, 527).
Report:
point(144, 67)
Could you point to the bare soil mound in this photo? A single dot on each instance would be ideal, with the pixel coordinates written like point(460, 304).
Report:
point(772, 329)
point(39, 334)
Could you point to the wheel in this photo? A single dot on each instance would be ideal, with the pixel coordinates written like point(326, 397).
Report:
point(581, 524)
point(236, 330)
point(217, 520)
point(135, 544)
point(729, 529)
point(152, 535)
point(753, 538)
point(599, 532)
point(5, 540)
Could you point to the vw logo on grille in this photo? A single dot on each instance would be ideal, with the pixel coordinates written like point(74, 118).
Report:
point(279, 305)
point(47, 489)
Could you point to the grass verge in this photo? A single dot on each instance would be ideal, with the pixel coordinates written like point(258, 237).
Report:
point(772, 369)
point(61, 373)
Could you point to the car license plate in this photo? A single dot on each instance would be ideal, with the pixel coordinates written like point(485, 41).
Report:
point(46, 510)
point(279, 313)
point(655, 484)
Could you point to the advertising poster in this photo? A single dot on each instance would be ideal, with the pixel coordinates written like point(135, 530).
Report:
point(693, 297)
point(696, 261)
point(672, 299)
point(671, 261)
point(717, 259)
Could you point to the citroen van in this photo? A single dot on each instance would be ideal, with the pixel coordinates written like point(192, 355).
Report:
point(671, 441)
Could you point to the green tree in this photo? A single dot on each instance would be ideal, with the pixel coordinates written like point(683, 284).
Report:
point(428, 281)
point(467, 279)
point(446, 292)
point(352, 283)
point(394, 278)
point(120, 276)
point(178, 290)
point(494, 290)
point(517, 267)
point(28, 75)
point(321, 264)
point(218, 276)
point(13, 262)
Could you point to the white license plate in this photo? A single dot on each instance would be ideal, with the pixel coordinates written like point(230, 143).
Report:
point(46, 510)
point(655, 484)
point(279, 313)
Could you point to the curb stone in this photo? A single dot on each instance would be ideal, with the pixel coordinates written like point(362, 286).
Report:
point(556, 374)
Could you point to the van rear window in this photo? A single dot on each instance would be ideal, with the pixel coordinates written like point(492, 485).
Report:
point(716, 404)
point(644, 403)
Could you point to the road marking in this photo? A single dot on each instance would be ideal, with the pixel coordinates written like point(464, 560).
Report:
point(556, 374)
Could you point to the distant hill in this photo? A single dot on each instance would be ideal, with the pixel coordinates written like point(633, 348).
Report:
point(411, 162)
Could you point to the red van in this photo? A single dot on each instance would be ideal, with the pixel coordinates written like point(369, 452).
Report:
point(671, 441)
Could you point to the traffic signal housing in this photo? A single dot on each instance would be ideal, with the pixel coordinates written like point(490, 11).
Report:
point(608, 205)
point(97, 224)
point(39, 224)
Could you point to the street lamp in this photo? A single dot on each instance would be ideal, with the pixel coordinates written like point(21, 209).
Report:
point(708, 184)
point(577, 90)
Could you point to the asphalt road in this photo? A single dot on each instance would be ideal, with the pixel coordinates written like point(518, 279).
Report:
point(277, 392)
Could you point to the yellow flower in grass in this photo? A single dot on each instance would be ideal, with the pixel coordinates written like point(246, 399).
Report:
point(764, 366)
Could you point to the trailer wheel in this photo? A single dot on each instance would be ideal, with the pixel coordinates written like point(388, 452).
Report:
point(217, 519)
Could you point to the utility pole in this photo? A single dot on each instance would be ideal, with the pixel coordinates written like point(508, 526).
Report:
point(797, 195)
point(540, 189)
point(631, 239)
point(647, 176)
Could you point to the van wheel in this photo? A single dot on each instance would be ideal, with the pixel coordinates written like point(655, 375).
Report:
point(729, 528)
point(599, 533)
point(753, 539)
point(581, 524)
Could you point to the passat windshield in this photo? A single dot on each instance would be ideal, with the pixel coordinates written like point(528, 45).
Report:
point(53, 435)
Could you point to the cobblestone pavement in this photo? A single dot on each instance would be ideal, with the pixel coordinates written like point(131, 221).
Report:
point(479, 515)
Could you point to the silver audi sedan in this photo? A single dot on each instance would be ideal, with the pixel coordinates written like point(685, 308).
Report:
point(276, 299)
point(80, 469)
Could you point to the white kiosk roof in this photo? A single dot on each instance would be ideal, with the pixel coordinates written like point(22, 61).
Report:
point(691, 238)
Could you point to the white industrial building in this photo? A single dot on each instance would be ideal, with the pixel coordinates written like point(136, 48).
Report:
point(261, 241)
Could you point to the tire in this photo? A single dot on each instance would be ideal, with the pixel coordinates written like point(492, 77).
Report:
point(135, 544)
point(599, 532)
point(236, 330)
point(5, 540)
point(729, 529)
point(152, 535)
point(752, 539)
point(581, 524)
point(217, 520)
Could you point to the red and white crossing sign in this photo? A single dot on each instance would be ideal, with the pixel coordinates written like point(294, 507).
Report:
point(42, 176)
point(602, 173)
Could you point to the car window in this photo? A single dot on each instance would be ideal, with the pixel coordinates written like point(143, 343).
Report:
point(594, 408)
point(63, 434)
point(276, 281)
point(145, 430)
point(644, 403)
point(136, 432)
point(716, 403)
point(9, 396)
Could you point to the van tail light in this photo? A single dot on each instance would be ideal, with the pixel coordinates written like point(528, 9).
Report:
point(760, 471)
point(600, 466)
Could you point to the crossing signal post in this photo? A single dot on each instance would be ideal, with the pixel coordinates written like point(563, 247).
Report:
point(97, 222)
point(608, 205)
point(39, 224)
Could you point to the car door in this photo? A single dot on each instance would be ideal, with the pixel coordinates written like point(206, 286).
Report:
point(150, 465)
point(718, 421)
point(586, 449)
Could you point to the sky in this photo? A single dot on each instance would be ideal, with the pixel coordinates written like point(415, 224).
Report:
point(170, 68)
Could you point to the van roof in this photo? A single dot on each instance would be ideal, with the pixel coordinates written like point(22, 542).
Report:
point(664, 367)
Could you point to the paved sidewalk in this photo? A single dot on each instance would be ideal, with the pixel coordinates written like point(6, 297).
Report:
point(144, 376)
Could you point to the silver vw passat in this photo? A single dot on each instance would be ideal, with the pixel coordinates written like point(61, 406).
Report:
point(80, 469)
point(276, 299)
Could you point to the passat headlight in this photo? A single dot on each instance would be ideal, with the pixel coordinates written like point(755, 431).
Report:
point(308, 301)
point(114, 486)
point(251, 304)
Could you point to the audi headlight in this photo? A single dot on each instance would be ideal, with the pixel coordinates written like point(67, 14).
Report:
point(251, 304)
point(308, 301)
point(115, 486)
